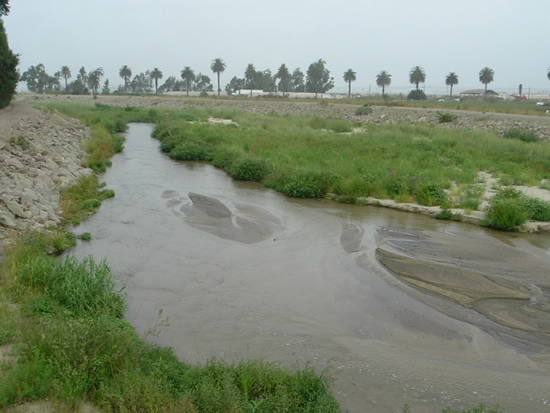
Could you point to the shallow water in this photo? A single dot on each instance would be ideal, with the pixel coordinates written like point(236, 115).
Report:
point(214, 267)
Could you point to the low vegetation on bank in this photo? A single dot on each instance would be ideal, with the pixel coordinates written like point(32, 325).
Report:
point(310, 157)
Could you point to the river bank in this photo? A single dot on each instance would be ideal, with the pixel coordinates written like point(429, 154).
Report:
point(40, 151)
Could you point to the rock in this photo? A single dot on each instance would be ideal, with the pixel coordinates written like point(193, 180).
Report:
point(7, 219)
point(15, 209)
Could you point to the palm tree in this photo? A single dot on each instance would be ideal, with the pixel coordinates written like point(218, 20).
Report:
point(383, 79)
point(249, 75)
point(349, 77)
point(188, 77)
point(486, 76)
point(66, 73)
point(94, 78)
point(126, 73)
point(156, 74)
point(218, 66)
point(451, 80)
point(548, 74)
point(417, 75)
point(284, 78)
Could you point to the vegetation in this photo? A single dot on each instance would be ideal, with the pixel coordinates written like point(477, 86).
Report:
point(417, 94)
point(350, 76)
point(8, 65)
point(417, 75)
point(445, 117)
point(318, 78)
point(522, 134)
point(310, 157)
point(450, 80)
point(73, 345)
point(218, 66)
point(486, 76)
point(383, 79)
point(510, 208)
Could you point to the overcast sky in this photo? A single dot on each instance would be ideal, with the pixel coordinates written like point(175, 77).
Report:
point(368, 36)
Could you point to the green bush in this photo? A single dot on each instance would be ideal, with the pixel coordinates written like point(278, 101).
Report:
point(448, 215)
point(445, 117)
point(524, 135)
point(430, 194)
point(505, 213)
point(363, 110)
point(416, 94)
point(248, 169)
point(8, 65)
point(304, 186)
point(538, 209)
point(189, 151)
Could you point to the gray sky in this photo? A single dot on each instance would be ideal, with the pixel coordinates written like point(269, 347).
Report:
point(367, 36)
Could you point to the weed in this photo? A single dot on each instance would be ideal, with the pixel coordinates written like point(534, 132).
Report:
point(20, 141)
point(85, 236)
point(248, 169)
point(447, 214)
point(363, 110)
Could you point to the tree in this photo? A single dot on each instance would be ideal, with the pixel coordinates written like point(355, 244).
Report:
point(66, 74)
point(38, 80)
point(486, 76)
point(4, 7)
point(318, 78)
point(8, 64)
point(126, 73)
point(349, 77)
point(417, 75)
point(202, 83)
point(106, 90)
point(188, 77)
point(142, 83)
point(297, 81)
point(383, 79)
point(94, 79)
point(236, 84)
point(284, 78)
point(250, 76)
point(548, 74)
point(218, 66)
point(451, 80)
point(156, 74)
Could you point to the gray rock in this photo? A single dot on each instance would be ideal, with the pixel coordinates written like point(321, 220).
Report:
point(16, 209)
point(7, 219)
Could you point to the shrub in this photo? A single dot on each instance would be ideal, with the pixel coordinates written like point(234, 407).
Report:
point(189, 152)
point(430, 194)
point(20, 141)
point(303, 187)
point(524, 135)
point(416, 94)
point(363, 110)
point(248, 169)
point(8, 63)
point(505, 214)
point(538, 209)
point(445, 117)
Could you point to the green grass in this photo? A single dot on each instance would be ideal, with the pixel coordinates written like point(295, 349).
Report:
point(73, 345)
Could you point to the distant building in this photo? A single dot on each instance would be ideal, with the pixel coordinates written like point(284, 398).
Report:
point(478, 93)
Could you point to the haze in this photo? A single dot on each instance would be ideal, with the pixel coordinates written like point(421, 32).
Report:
point(367, 36)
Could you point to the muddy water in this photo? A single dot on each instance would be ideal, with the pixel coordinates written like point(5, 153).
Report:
point(219, 268)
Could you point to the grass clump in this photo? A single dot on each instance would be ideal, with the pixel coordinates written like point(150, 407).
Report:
point(445, 117)
point(524, 135)
point(248, 169)
point(82, 199)
point(20, 141)
point(364, 110)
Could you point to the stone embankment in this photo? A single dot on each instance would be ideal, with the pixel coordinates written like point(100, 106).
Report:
point(40, 153)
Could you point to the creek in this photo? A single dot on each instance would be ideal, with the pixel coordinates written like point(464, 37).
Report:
point(218, 268)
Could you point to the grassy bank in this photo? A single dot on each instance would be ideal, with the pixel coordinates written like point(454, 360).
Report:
point(65, 320)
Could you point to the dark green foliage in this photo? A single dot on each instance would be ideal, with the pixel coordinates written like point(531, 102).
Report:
point(190, 151)
point(445, 117)
point(430, 194)
point(524, 135)
point(538, 209)
point(248, 169)
point(448, 215)
point(363, 110)
point(8, 69)
point(417, 94)
point(309, 185)
point(85, 236)
point(506, 211)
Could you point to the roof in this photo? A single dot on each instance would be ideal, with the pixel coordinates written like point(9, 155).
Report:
point(477, 92)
